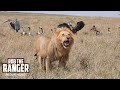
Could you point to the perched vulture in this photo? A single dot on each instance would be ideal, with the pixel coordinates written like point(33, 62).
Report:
point(78, 26)
point(15, 25)
point(64, 25)
point(75, 29)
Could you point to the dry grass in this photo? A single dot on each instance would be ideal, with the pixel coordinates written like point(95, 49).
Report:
point(91, 56)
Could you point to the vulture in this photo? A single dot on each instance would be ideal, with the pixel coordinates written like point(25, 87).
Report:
point(15, 25)
point(75, 29)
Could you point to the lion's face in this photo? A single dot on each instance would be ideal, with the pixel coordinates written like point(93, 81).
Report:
point(65, 38)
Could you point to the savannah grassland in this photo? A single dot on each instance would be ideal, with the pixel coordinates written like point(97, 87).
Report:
point(91, 57)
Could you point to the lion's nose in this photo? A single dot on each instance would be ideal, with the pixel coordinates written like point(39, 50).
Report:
point(68, 38)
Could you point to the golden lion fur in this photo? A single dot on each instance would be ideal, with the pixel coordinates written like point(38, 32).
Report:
point(54, 48)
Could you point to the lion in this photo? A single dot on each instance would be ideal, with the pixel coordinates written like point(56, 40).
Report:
point(41, 45)
point(55, 48)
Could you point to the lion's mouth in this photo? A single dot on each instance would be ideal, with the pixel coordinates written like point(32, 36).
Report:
point(66, 43)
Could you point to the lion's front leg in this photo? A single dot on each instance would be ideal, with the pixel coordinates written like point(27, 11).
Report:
point(41, 63)
point(48, 64)
point(63, 61)
point(50, 57)
point(44, 64)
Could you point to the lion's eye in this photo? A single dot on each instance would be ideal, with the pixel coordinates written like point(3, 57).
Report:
point(62, 34)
